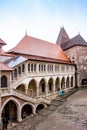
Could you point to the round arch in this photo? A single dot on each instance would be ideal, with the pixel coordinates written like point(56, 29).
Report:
point(42, 86)
point(32, 88)
point(71, 81)
point(10, 109)
point(57, 84)
point(67, 82)
point(40, 107)
point(50, 85)
point(84, 81)
point(26, 110)
point(63, 83)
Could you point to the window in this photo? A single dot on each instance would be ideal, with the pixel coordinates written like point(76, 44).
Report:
point(19, 70)
point(3, 81)
point(39, 67)
point(31, 67)
point(15, 73)
point(28, 67)
point(34, 67)
point(23, 68)
point(44, 68)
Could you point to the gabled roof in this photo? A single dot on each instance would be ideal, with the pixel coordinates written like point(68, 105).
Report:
point(2, 42)
point(4, 67)
point(76, 41)
point(36, 47)
point(62, 37)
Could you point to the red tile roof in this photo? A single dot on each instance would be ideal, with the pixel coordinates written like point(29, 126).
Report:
point(4, 67)
point(36, 47)
point(2, 42)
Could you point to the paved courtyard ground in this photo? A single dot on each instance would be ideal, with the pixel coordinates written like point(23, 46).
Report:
point(72, 115)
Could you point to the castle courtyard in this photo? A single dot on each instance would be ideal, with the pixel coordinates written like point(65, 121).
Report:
point(72, 115)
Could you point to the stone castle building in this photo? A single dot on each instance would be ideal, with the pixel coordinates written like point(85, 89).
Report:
point(76, 49)
point(32, 74)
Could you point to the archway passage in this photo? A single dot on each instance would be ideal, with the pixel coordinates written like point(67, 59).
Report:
point(63, 83)
point(10, 111)
point(26, 110)
point(50, 85)
point(42, 87)
point(84, 82)
point(57, 84)
point(32, 88)
point(39, 107)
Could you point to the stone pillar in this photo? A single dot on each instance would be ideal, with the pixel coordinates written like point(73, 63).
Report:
point(34, 109)
point(53, 87)
point(37, 89)
point(26, 68)
point(19, 114)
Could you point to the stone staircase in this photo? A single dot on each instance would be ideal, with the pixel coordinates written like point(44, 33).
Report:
point(30, 122)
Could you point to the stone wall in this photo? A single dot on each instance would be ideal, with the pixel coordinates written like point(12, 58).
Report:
point(78, 55)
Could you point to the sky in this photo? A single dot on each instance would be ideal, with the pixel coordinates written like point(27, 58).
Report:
point(41, 19)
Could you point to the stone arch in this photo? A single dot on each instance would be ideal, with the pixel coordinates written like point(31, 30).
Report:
point(26, 110)
point(63, 83)
point(67, 82)
point(50, 85)
point(4, 81)
point(40, 107)
point(72, 80)
point(84, 81)
point(42, 86)
point(57, 84)
point(10, 109)
point(21, 88)
point(32, 88)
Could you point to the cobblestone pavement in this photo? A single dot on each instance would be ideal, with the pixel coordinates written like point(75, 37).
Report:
point(71, 115)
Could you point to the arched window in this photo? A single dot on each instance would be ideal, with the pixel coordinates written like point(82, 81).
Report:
point(34, 67)
point(39, 67)
point(23, 67)
point(3, 81)
point(48, 68)
point(19, 70)
point(15, 73)
point(28, 67)
point(44, 68)
point(31, 67)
